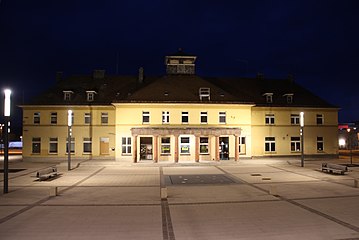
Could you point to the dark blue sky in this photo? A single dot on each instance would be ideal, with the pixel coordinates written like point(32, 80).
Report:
point(315, 41)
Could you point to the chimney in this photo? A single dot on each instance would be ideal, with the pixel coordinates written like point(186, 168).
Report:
point(140, 75)
point(98, 74)
point(59, 76)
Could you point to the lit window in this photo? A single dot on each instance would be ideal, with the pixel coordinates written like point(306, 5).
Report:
point(269, 144)
point(204, 117)
point(37, 118)
point(36, 145)
point(165, 117)
point(145, 117)
point(294, 119)
point(295, 144)
point(222, 117)
point(53, 145)
point(126, 145)
point(53, 119)
point(203, 145)
point(87, 145)
point(185, 145)
point(269, 119)
point(104, 118)
point(165, 145)
point(184, 117)
point(320, 144)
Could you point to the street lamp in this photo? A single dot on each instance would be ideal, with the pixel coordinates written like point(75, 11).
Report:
point(69, 125)
point(7, 93)
point(350, 146)
point(301, 121)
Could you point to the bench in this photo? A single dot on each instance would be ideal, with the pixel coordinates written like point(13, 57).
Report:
point(46, 173)
point(334, 168)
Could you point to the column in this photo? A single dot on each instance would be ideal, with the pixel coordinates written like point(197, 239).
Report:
point(196, 154)
point(217, 148)
point(236, 143)
point(134, 145)
point(176, 148)
point(155, 148)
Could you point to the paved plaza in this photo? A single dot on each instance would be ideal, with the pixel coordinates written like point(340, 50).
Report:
point(249, 199)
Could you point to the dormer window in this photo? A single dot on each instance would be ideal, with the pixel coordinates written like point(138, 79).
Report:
point(90, 95)
point(67, 95)
point(289, 97)
point(269, 97)
point(205, 93)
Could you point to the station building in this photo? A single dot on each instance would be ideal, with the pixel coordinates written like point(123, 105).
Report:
point(177, 117)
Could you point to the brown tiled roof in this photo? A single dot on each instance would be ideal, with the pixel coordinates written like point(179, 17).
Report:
point(179, 89)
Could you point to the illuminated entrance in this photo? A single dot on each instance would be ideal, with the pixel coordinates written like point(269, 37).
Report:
point(146, 148)
point(224, 148)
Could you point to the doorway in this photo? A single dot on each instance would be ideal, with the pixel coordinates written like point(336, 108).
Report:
point(224, 148)
point(146, 148)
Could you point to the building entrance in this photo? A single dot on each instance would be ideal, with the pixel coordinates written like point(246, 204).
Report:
point(224, 148)
point(146, 148)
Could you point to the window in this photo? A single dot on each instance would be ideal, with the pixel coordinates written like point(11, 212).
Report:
point(145, 117)
point(53, 145)
point(269, 97)
point(87, 145)
point(269, 144)
point(204, 117)
point(72, 147)
point(165, 145)
point(320, 119)
point(184, 117)
point(222, 117)
point(242, 145)
point(36, 145)
point(185, 144)
point(203, 145)
point(90, 95)
point(205, 93)
point(269, 119)
point(67, 95)
point(165, 117)
point(87, 118)
point(295, 144)
point(53, 119)
point(104, 118)
point(37, 118)
point(294, 119)
point(289, 97)
point(126, 145)
point(320, 144)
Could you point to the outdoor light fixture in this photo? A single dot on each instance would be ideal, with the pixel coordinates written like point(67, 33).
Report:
point(7, 108)
point(301, 121)
point(69, 125)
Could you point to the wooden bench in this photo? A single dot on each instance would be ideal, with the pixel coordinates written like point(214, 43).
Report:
point(46, 173)
point(334, 168)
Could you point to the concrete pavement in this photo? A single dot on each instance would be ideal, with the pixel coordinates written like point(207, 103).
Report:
point(249, 199)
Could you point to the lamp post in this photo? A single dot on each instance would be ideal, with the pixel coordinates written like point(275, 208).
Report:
point(301, 121)
point(350, 146)
point(69, 125)
point(7, 93)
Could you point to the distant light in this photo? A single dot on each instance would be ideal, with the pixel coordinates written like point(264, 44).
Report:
point(301, 120)
point(342, 142)
point(69, 118)
point(7, 102)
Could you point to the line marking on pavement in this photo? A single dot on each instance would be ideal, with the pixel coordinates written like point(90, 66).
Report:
point(340, 222)
point(167, 228)
point(7, 218)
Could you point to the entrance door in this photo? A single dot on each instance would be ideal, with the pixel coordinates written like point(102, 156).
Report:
point(224, 148)
point(146, 148)
point(104, 146)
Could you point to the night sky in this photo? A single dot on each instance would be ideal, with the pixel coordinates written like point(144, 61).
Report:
point(315, 41)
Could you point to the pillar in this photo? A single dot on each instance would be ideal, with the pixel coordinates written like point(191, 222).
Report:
point(155, 148)
point(176, 148)
point(134, 145)
point(236, 143)
point(196, 154)
point(217, 148)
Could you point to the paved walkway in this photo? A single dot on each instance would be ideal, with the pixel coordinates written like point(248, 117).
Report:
point(250, 199)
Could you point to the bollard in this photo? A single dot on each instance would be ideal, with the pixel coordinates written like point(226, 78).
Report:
point(164, 193)
point(53, 191)
point(273, 190)
point(356, 183)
